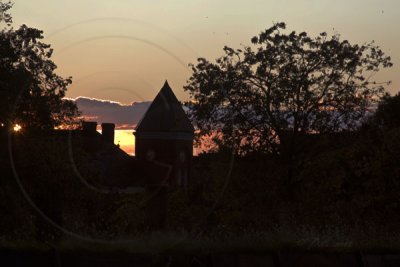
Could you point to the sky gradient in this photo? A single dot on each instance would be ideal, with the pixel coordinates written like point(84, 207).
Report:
point(123, 50)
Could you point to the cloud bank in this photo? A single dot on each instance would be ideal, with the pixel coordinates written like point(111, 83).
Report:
point(124, 116)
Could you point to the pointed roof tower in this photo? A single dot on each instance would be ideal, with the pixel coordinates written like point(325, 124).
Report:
point(165, 114)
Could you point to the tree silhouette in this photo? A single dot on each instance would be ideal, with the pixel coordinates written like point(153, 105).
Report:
point(4, 15)
point(387, 114)
point(31, 93)
point(283, 86)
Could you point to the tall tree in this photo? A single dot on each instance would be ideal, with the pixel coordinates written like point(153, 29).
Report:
point(282, 86)
point(31, 93)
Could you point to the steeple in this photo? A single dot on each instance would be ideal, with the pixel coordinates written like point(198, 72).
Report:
point(165, 114)
point(165, 136)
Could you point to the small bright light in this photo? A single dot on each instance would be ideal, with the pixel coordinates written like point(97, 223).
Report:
point(17, 128)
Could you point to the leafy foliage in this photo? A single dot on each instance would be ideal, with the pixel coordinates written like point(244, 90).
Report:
point(349, 181)
point(31, 93)
point(284, 85)
point(4, 15)
point(388, 112)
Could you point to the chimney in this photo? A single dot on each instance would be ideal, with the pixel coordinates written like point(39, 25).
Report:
point(89, 128)
point(107, 132)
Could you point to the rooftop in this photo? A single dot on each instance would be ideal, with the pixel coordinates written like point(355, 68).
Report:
point(165, 114)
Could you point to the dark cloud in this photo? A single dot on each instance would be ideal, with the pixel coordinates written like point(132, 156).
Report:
point(124, 116)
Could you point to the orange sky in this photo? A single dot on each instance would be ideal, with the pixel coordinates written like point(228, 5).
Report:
point(124, 50)
point(125, 139)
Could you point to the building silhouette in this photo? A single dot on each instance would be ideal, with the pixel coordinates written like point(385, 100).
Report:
point(165, 136)
point(163, 147)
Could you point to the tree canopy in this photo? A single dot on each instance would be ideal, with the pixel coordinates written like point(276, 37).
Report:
point(284, 85)
point(31, 93)
point(387, 115)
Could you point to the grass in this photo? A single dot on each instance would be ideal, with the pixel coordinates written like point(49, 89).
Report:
point(279, 239)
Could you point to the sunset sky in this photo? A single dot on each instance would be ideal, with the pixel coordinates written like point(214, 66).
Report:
point(122, 51)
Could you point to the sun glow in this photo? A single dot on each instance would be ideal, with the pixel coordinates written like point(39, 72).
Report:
point(126, 141)
point(17, 128)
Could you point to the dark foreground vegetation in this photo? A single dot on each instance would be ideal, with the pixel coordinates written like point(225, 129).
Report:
point(342, 194)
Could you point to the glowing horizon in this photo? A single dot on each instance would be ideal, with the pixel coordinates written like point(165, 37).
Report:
point(126, 141)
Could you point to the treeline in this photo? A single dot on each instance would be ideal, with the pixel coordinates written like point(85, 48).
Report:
point(354, 181)
point(348, 181)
